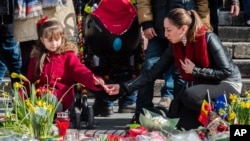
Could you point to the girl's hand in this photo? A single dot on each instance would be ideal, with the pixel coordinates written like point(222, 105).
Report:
point(98, 81)
point(187, 66)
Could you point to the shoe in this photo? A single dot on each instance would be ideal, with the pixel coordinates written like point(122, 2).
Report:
point(104, 111)
point(127, 108)
point(135, 119)
point(248, 22)
point(165, 102)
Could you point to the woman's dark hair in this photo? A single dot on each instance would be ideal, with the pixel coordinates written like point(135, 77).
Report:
point(180, 17)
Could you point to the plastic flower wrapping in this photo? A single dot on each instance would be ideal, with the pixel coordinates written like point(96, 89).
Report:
point(154, 121)
point(133, 135)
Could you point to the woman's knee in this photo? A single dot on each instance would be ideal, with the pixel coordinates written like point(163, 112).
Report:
point(191, 100)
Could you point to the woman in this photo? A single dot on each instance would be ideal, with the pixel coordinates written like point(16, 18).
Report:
point(201, 60)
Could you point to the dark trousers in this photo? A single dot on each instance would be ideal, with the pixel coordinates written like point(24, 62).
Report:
point(214, 19)
point(9, 56)
point(192, 99)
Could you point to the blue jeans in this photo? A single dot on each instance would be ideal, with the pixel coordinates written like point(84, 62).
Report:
point(2, 71)
point(10, 56)
point(156, 47)
point(168, 89)
point(185, 4)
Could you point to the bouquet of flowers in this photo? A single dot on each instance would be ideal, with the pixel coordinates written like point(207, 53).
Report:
point(154, 121)
point(239, 109)
point(33, 110)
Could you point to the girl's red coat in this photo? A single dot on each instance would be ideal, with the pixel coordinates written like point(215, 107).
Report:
point(60, 71)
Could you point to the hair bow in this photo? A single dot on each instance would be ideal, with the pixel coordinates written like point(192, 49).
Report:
point(42, 20)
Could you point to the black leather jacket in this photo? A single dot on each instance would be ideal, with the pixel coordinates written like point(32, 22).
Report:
point(222, 68)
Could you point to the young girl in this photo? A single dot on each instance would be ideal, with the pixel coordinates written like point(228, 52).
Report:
point(54, 62)
point(201, 60)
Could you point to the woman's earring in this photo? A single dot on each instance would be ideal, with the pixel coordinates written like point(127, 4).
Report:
point(184, 40)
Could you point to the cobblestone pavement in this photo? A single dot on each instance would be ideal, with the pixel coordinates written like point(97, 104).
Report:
point(115, 124)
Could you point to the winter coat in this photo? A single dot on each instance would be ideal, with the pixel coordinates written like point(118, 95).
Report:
point(222, 67)
point(60, 71)
point(151, 13)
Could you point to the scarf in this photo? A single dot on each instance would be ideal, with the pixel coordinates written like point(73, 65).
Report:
point(195, 51)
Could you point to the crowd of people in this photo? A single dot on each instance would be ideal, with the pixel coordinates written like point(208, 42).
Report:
point(183, 48)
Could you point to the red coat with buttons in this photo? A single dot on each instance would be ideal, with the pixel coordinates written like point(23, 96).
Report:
point(61, 70)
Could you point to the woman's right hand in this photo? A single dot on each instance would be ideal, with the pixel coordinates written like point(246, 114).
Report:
point(112, 89)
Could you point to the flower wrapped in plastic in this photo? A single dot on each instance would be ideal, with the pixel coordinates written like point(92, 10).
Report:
point(154, 121)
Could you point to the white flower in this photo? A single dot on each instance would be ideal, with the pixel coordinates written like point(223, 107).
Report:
point(41, 111)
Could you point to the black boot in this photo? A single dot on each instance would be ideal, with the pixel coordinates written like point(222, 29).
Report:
point(101, 110)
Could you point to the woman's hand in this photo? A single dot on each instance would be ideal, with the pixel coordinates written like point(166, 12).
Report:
point(187, 66)
point(112, 89)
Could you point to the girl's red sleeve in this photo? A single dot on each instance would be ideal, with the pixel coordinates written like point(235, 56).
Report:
point(80, 73)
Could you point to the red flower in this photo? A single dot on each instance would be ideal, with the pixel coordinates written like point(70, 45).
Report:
point(222, 128)
point(138, 131)
point(202, 135)
point(112, 137)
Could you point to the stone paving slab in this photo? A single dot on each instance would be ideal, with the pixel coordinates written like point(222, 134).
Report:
point(117, 123)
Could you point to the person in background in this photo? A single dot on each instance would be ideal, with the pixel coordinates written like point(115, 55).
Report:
point(246, 6)
point(10, 57)
point(215, 5)
point(54, 62)
point(115, 66)
point(202, 61)
point(150, 15)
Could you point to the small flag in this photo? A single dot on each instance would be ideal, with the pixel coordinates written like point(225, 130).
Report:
point(204, 114)
point(220, 105)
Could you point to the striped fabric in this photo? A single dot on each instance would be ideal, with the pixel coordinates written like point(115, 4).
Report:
point(32, 8)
